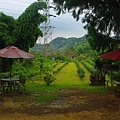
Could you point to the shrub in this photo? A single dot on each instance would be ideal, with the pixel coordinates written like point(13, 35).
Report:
point(88, 67)
point(80, 71)
point(49, 78)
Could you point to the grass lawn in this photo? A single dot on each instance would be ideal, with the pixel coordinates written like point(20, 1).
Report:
point(66, 78)
point(68, 75)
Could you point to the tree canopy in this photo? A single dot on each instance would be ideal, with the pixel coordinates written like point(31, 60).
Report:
point(6, 30)
point(24, 31)
point(27, 30)
point(101, 17)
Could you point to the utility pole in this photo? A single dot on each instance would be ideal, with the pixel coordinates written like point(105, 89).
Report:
point(47, 29)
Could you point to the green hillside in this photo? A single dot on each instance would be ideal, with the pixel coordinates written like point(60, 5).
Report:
point(59, 44)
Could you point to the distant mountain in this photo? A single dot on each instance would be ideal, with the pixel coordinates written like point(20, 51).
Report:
point(59, 44)
point(37, 47)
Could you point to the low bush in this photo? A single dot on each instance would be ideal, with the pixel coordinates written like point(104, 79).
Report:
point(49, 78)
point(80, 71)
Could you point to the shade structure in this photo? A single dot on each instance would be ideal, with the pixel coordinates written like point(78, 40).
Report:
point(14, 52)
point(1, 55)
point(113, 55)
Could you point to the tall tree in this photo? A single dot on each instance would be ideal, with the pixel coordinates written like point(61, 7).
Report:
point(27, 30)
point(6, 30)
point(101, 18)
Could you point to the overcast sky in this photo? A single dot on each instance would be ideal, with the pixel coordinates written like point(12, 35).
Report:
point(64, 25)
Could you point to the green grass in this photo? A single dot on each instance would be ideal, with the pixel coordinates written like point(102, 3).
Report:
point(68, 75)
point(44, 98)
point(88, 88)
point(58, 66)
point(66, 78)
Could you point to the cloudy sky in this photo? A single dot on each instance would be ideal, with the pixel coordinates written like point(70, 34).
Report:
point(64, 25)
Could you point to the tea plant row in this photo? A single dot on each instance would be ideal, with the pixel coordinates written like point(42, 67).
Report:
point(80, 70)
point(87, 66)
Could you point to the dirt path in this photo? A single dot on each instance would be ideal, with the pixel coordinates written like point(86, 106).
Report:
point(72, 104)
